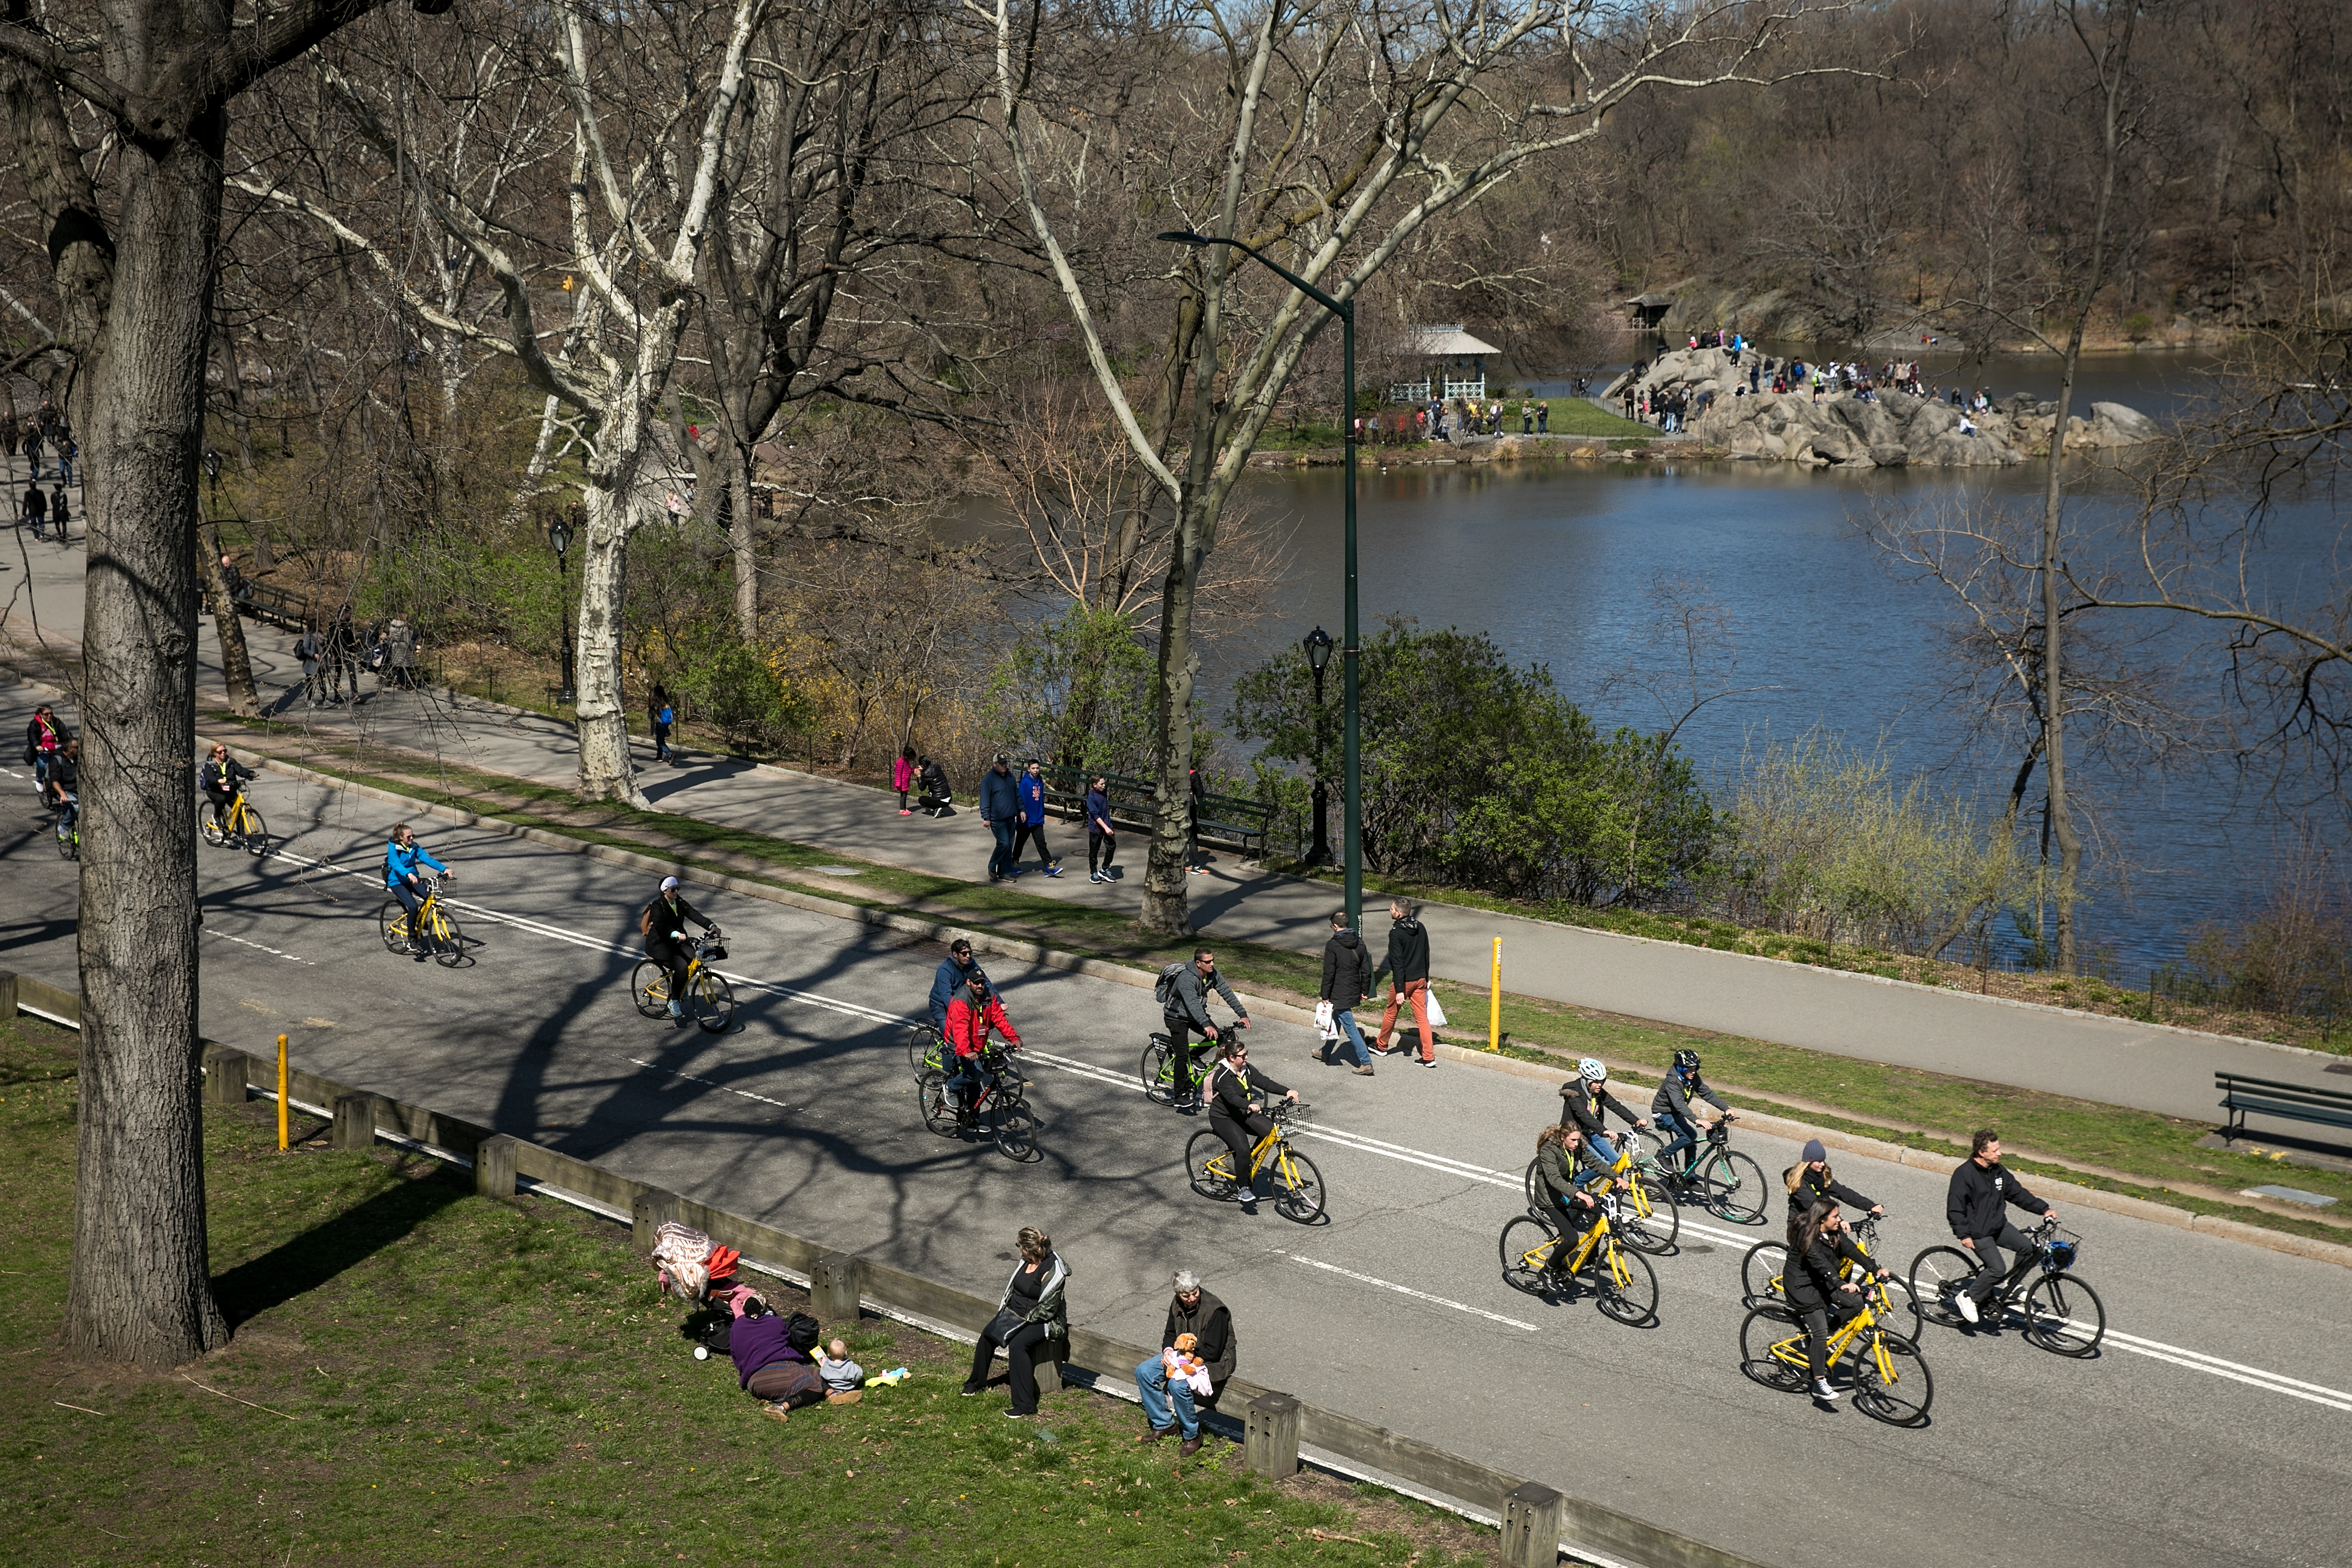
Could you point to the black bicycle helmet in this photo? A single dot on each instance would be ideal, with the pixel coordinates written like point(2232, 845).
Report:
point(1687, 1061)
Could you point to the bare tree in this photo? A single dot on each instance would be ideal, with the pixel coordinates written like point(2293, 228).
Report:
point(1378, 120)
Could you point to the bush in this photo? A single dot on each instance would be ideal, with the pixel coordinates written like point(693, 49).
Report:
point(1077, 690)
point(2292, 956)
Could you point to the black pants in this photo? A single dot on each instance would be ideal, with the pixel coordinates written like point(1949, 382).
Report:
point(1100, 847)
point(936, 804)
point(1179, 1033)
point(1018, 1351)
point(674, 958)
point(1990, 1267)
point(220, 799)
point(1027, 831)
point(1241, 1137)
point(1820, 1322)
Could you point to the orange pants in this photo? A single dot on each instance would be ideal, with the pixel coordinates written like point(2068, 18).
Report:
point(1416, 993)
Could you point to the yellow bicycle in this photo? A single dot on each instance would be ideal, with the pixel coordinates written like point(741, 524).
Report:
point(1648, 1219)
point(1761, 1270)
point(1889, 1377)
point(433, 929)
point(707, 997)
point(1298, 1192)
point(239, 823)
point(1621, 1282)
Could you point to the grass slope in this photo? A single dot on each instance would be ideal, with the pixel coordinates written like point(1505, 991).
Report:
point(423, 1377)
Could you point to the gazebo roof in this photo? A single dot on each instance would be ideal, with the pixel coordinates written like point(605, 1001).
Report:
point(1449, 339)
point(1651, 302)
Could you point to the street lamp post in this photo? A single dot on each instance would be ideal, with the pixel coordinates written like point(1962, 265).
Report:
point(1351, 651)
point(559, 534)
point(1318, 644)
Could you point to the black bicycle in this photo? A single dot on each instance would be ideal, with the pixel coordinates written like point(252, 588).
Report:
point(2063, 1314)
point(1000, 1108)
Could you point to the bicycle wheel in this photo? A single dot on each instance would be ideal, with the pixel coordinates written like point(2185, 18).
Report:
point(1891, 1381)
point(648, 987)
point(1936, 1275)
point(1211, 1166)
point(2064, 1316)
point(1655, 1231)
point(392, 919)
point(938, 1105)
point(713, 1001)
point(1766, 1327)
point(1631, 1300)
point(924, 1048)
point(68, 839)
point(211, 830)
point(1299, 1194)
point(442, 935)
point(1527, 1246)
point(1016, 1132)
point(1535, 1184)
point(1731, 1187)
point(1761, 1270)
point(1159, 1076)
point(255, 834)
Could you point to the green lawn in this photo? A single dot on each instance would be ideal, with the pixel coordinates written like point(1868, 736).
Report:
point(1578, 417)
point(429, 1378)
point(2146, 1152)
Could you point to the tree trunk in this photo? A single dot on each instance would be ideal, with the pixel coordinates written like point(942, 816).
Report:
point(1165, 895)
point(746, 544)
point(607, 771)
point(237, 668)
point(140, 1289)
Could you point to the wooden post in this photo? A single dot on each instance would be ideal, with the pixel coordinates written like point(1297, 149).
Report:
point(494, 1167)
point(1531, 1526)
point(7, 994)
point(1270, 1436)
point(834, 1285)
point(355, 1122)
point(652, 1206)
point(281, 1094)
point(224, 1075)
point(1495, 1001)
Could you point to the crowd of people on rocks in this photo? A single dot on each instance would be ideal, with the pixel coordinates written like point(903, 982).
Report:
point(1672, 409)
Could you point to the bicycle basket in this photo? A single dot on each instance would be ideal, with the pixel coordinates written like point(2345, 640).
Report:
point(1717, 1133)
point(2060, 1251)
point(713, 952)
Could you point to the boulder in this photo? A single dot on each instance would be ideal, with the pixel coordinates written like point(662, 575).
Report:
point(2113, 425)
point(1890, 456)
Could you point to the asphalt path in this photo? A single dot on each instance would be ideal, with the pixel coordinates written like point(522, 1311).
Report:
point(2214, 1433)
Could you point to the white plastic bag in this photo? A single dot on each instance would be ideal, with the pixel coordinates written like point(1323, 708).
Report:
point(1437, 1010)
point(1324, 1026)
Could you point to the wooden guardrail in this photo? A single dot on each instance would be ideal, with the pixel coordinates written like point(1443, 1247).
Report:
point(1537, 1522)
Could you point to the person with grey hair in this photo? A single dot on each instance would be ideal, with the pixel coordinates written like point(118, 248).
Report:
point(1205, 1327)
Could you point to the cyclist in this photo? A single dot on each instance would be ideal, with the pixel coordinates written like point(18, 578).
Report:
point(1563, 1168)
point(1585, 1097)
point(401, 856)
point(663, 924)
point(220, 777)
point(958, 967)
point(1809, 1182)
point(1183, 990)
point(43, 741)
point(1237, 1106)
point(1814, 1282)
point(1975, 1206)
point(61, 788)
point(974, 1012)
point(1671, 1108)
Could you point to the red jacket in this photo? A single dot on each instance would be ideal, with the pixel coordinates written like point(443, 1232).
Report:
point(967, 1030)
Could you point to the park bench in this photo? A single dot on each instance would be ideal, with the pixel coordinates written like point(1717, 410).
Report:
point(1230, 820)
point(2287, 1101)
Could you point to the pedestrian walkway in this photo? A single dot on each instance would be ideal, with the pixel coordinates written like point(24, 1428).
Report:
point(2110, 1060)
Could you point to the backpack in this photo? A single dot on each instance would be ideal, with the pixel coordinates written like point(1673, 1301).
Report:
point(645, 919)
point(1164, 988)
point(801, 1332)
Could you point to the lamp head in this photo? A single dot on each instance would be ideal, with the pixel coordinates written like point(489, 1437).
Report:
point(559, 534)
point(1183, 236)
point(1319, 645)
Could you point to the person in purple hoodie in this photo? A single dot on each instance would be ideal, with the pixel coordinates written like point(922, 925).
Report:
point(766, 1365)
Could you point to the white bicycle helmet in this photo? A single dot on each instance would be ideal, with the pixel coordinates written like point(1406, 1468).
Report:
point(1590, 1070)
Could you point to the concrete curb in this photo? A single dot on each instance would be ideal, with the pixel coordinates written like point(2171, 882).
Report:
point(1038, 953)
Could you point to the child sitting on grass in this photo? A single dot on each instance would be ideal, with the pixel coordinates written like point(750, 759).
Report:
point(843, 1377)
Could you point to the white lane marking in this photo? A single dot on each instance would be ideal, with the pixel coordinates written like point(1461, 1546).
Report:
point(2158, 1350)
point(713, 1083)
point(257, 946)
point(1408, 1290)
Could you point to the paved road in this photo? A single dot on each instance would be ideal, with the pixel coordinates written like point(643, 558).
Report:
point(2110, 1060)
point(2156, 1454)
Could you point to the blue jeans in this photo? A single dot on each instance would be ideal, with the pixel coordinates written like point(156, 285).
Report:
point(1685, 1134)
point(1001, 861)
point(1345, 1020)
point(1602, 1148)
point(967, 1080)
point(1167, 1402)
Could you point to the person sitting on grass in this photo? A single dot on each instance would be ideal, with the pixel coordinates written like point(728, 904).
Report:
point(843, 1377)
point(767, 1366)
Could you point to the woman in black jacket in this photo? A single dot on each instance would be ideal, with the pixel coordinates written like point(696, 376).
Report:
point(1237, 1111)
point(1814, 1282)
point(1810, 1181)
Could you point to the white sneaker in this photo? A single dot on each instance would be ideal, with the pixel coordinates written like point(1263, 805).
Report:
point(1823, 1392)
point(1966, 1305)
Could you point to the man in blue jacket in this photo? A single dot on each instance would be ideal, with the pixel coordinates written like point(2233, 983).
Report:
point(1031, 785)
point(404, 857)
point(1000, 807)
point(954, 972)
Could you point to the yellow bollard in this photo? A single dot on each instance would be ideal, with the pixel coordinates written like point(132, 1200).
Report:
point(1495, 1001)
point(281, 1094)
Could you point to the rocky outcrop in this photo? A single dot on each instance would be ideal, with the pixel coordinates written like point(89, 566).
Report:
point(1892, 430)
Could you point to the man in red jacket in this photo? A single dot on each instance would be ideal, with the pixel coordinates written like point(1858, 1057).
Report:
point(970, 1017)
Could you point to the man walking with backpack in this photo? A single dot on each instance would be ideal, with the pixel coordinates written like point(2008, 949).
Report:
point(1183, 990)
